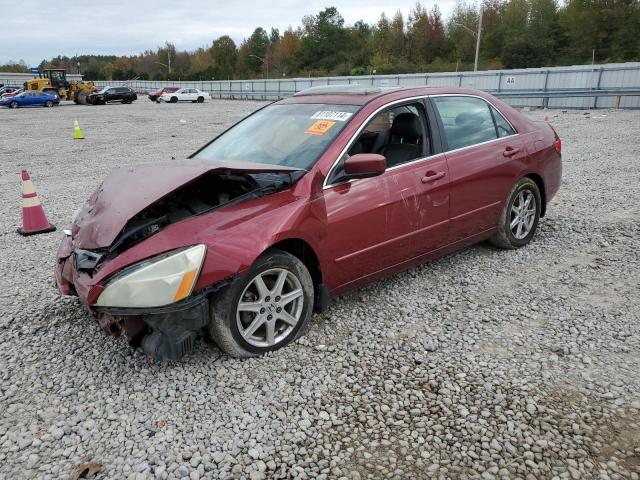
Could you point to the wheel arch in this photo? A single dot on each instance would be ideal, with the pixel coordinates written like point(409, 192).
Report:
point(543, 194)
point(300, 249)
point(304, 252)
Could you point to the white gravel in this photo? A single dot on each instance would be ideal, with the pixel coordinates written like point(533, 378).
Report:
point(485, 364)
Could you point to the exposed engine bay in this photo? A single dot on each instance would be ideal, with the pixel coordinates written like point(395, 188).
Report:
point(206, 193)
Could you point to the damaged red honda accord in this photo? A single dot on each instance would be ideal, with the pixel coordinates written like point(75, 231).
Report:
point(300, 201)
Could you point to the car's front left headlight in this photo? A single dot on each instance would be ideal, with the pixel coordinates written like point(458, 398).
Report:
point(157, 282)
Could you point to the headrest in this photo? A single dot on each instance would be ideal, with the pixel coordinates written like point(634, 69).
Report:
point(468, 118)
point(406, 125)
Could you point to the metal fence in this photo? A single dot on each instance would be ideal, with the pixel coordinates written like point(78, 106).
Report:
point(580, 86)
point(593, 86)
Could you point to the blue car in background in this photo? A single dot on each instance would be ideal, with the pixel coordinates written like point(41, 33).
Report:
point(31, 99)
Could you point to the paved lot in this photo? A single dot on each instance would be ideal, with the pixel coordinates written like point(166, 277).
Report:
point(487, 363)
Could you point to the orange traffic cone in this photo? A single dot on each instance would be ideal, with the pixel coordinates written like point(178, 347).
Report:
point(33, 218)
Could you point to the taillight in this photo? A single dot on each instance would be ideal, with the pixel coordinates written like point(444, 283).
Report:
point(557, 144)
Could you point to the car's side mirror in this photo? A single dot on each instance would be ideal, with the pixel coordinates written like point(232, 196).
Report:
point(363, 165)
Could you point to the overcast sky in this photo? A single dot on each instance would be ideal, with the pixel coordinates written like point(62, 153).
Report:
point(43, 29)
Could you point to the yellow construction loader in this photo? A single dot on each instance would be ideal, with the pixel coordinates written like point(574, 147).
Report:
point(55, 80)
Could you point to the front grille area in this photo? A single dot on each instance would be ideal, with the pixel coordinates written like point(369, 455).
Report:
point(87, 260)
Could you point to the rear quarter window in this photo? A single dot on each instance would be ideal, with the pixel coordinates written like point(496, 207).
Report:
point(503, 127)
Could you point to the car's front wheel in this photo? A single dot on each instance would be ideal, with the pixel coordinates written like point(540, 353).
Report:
point(174, 100)
point(267, 309)
point(520, 216)
point(200, 99)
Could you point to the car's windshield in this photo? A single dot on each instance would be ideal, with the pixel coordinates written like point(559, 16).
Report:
point(293, 135)
point(104, 89)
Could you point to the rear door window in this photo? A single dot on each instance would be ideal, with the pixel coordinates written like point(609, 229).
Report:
point(466, 120)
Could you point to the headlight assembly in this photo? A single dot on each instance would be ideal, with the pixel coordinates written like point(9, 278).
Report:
point(156, 282)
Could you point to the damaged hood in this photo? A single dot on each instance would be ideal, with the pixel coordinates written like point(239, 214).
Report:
point(128, 190)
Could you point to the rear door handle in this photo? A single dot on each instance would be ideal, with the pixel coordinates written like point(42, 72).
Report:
point(510, 151)
point(432, 176)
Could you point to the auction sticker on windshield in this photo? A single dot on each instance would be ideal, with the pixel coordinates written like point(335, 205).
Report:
point(320, 127)
point(331, 115)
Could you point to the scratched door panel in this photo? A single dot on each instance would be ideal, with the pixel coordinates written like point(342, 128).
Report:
point(369, 222)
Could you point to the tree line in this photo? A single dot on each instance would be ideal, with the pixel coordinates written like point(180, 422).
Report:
point(515, 34)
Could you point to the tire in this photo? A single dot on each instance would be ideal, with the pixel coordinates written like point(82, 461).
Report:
point(48, 104)
point(82, 97)
point(200, 99)
point(226, 321)
point(524, 192)
point(173, 100)
point(14, 105)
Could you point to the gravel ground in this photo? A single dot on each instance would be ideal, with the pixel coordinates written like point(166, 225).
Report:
point(484, 364)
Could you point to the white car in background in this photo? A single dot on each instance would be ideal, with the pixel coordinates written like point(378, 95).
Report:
point(184, 95)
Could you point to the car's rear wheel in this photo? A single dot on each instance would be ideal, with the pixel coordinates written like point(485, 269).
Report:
point(520, 216)
point(267, 309)
point(49, 104)
point(14, 104)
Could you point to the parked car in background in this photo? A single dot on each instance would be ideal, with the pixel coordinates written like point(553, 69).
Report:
point(31, 99)
point(12, 93)
point(112, 94)
point(153, 96)
point(184, 95)
point(9, 89)
point(346, 185)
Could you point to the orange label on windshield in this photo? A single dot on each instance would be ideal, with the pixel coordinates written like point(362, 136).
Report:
point(320, 127)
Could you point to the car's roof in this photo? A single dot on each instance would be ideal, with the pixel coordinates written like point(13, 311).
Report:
point(360, 94)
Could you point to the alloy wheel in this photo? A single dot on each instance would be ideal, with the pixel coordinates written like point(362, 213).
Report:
point(523, 214)
point(270, 307)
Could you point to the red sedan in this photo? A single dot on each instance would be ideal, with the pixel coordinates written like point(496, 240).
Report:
point(302, 200)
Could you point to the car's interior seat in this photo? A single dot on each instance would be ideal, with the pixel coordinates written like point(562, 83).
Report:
point(370, 142)
point(405, 142)
point(470, 128)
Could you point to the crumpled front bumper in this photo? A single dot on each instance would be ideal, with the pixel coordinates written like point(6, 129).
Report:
point(69, 280)
point(162, 332)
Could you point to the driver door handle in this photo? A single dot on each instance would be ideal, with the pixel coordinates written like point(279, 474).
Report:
point(432, 176)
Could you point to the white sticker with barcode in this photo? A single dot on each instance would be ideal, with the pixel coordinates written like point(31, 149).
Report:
point(330, 115)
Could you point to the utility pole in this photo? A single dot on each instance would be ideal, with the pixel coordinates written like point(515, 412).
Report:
point(169, 60)
point(478, 35)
